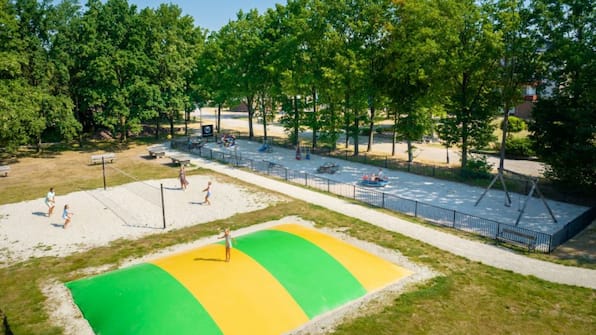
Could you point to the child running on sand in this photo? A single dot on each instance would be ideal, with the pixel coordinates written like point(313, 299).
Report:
point(66, 215)
point(228, 240)
point(50, 201)
point(208, 194)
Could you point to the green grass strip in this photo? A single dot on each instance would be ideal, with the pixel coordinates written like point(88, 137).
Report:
point(316, 280)
point(141, 299)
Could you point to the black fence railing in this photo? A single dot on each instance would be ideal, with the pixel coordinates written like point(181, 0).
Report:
point(487, 228)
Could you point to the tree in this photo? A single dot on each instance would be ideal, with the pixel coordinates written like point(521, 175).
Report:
point(564, 119)
point(412, 63)
point(293, 68)
point(213, 76)
point(32, 101)
point(113, 67)
point(376, 16)
point(472, 60)
point(353, 38)
point(15, 104)
point(448, 133)
point(243, 49)
point(173, 45)
point(511, 22)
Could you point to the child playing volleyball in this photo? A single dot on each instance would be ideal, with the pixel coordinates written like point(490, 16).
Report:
point(208, 194)
point(50, 201)
point(66, 215)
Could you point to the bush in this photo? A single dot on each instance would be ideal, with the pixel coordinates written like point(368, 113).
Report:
point(515, 124)
point(327, 139)
point(518, 147)
point(477, 168)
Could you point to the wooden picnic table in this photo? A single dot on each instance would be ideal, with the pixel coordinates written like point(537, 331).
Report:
point(109, 157)
point(180, 160)
point(156, 152)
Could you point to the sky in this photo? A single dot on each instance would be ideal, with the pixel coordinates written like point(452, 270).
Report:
point(211, 14)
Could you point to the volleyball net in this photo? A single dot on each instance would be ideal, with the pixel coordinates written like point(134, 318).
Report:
point(137, 203)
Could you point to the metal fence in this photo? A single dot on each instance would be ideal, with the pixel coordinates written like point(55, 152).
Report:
point(487, 228)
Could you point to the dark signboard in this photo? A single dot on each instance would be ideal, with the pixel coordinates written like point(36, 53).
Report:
point(207, 130)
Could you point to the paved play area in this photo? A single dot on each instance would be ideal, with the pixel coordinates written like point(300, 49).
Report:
point(277, 280)
point(441, 193)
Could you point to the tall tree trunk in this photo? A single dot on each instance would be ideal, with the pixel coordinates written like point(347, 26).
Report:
point(347, 120)
point(264, 113)
point(465, 118)
point(186, 117)
point(394, 134)
point(296, 122)
point(347, 131)
point(410, 149)
point(315, 129)
point(171, 119)
point(123, 129)
point(504, 139)
point(333, 126)
point(249, 103)
point(218, 118)
point(356, 135)
point(371, 128)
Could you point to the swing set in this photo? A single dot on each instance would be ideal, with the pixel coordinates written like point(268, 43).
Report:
point(522, 177)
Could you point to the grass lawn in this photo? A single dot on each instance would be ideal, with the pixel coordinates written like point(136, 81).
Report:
point(467, 298)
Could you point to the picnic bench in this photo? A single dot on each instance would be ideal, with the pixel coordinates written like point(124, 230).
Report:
point(180, 160)
point(107, 158)
point(156, 152)
point(4, 169)
point(517, 238)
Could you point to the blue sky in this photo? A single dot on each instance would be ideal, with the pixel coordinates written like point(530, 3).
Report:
point(211, 14)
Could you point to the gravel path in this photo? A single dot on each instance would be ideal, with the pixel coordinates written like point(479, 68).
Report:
point(480, 252)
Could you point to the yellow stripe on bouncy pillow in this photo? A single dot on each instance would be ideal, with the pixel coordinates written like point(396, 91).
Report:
point(371, 271)
point(241, 296)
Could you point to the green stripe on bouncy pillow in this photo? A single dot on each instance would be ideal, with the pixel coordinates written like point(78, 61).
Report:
point(142, 299)
point(316, 280)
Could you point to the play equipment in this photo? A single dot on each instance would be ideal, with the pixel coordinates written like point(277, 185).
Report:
point(306, 150)
point(308, 275)
point(533, 189)
point(228, 140)
point(373, 181)
point(328, 168)
point(266, 146)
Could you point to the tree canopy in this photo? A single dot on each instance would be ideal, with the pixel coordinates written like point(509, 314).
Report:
point(333, 67)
